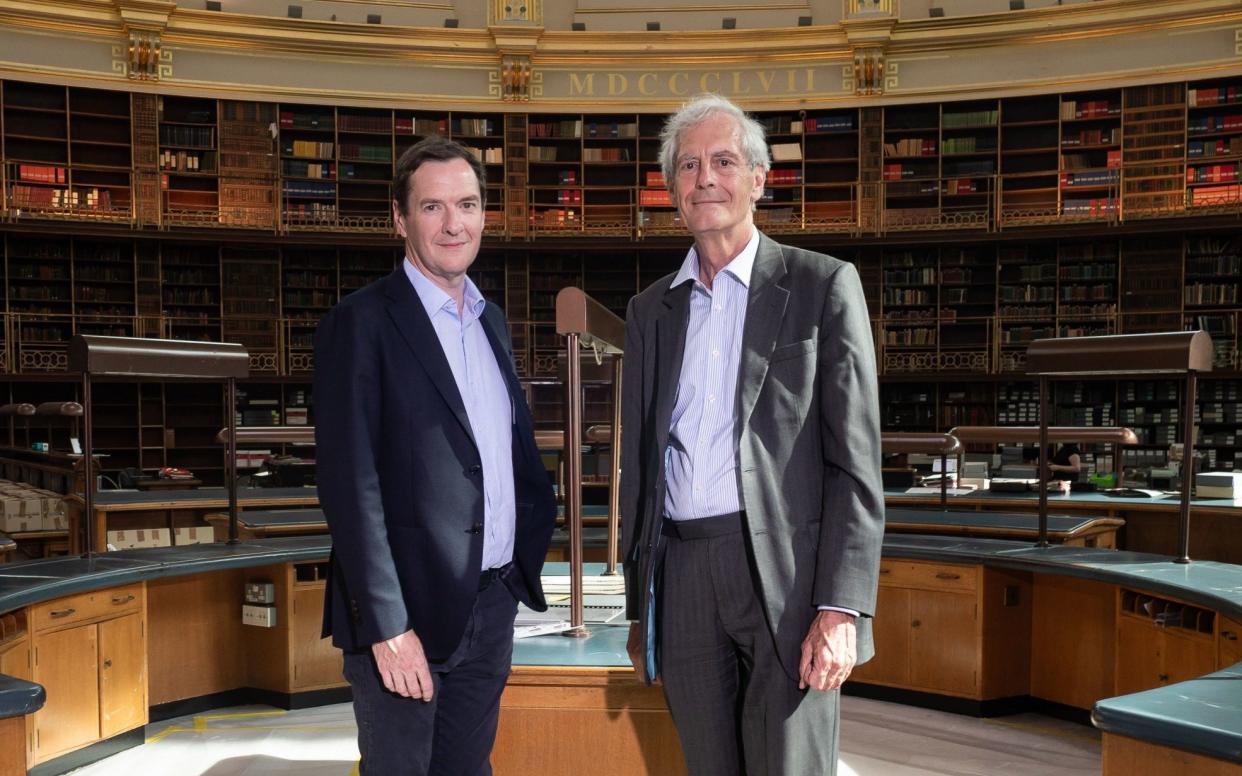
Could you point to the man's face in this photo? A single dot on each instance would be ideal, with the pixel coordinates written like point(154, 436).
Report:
point(715, 186)
point(443, 221)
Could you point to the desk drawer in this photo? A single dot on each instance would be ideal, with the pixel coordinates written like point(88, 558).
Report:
point(87, 606)
point(931, 576)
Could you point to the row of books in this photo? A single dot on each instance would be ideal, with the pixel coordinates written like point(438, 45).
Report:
point(309, 189)
point(1215, 173)
point(967, 145)
point(569, 197)
point(418, 126)
point(1091, 137)
point(349, 123)
point(187, 136)
point(310, 149)
point(605, 154)
point(654, 198)
point(300, 169)
point(1070, 180)
point(1089, 109)
point(363, 153)
point(1026, 294)
point(1229, 123)
point(185, 161)
point(1088, 160)
point(42, 173)
point(1230, 265)
point(1215, 195)
point(779, 177)
point(1095, 206)
point(475, 127)
point(977, 118)
point(1086, 293)
point(291, 120)
point(571, 128)
point(1211, 293)
point(911, 146)
point(1211, 95)
point(494, 155)
point(610, 129)
point(1221, 146)
point(41, 197)
point(1089, 272)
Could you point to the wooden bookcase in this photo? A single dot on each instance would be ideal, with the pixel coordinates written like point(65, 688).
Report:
point(189, 161)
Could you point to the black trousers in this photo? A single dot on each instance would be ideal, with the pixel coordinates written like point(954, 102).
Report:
point(736, 709)
point(453, 734)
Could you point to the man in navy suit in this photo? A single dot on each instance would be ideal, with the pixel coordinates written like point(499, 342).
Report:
point(438, 503)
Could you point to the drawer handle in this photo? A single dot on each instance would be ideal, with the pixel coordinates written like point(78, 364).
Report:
point(108, 663)
point(885, 571)
point(1230, 635)
point(915, 624)
point(1163, 677)
point(58, 613)
point(118, 600)
point(947, 575)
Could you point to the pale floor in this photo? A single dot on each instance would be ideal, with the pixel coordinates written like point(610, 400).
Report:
point(877, 739)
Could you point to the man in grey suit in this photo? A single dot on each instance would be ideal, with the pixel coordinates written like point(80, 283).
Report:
point(751, 500)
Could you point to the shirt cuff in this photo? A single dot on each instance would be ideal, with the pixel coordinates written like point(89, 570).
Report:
point(850, 612)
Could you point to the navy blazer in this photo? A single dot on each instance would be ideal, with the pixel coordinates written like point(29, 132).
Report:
point(400, 476)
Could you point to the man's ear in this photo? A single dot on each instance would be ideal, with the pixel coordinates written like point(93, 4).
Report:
point(397, 219)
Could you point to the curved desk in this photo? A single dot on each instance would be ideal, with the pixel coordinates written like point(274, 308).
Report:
point(1064, 605)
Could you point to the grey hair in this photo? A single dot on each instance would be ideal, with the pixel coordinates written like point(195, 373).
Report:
point(699, 109)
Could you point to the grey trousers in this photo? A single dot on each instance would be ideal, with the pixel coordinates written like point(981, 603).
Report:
point(736, 709)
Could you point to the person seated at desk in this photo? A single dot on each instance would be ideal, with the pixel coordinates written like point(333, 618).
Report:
point(1066, 462)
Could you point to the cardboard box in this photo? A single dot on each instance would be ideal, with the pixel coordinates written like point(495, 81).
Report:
point(203, 534)
point(142, 537)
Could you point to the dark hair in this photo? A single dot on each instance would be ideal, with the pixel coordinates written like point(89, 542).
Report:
point(434, 148)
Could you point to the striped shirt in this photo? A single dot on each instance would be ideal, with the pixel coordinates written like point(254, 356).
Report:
point(701, 459)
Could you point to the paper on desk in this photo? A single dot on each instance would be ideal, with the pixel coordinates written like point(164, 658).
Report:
point(598, 585)
point(935, 491)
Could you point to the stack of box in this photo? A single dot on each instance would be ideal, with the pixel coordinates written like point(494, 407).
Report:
point(134, 538)
point(27, 508)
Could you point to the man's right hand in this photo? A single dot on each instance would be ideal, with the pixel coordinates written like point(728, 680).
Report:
point(638, 655)
point(403, 666)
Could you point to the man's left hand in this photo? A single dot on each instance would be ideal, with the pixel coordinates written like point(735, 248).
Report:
point(828, 651)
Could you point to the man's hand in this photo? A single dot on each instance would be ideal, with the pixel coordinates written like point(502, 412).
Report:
point(828, 652)
point(638, 654)
point(403, 666)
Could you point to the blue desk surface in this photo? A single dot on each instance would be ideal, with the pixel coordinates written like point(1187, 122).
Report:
point(1054, 499)
point(1203, 715)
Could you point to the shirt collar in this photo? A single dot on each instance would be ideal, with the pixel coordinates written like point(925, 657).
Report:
point(436, 299)
point(740, 267)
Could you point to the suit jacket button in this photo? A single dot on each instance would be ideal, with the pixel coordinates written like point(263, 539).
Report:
point(476, 528)
point(476, 469)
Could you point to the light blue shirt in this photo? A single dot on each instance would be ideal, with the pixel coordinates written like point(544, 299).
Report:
point(701, 459)
point(489, 407)
point(702, 456)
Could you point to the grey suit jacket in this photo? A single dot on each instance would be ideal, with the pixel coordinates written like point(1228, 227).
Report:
point(807, 437)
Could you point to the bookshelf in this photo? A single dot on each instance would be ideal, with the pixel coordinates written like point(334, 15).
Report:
point(907, 407)
point(1151, 291)
point(909, 308)
point(1211, 276)
point(190, 278)
point(1153, 156)
point(656, 213)
point(360, 267)
point(1029, 160)
point(1087, 288)
point(911, 166)
point(1090, 155)
point(100, 156)
point(554, 174)
point(832, 144)
point(103, 287)
point(780, 206)
point(364, 166)
point(309, 282)
point(967, 303)
point(36, 147)
point(609, 154)
point(40, 300)
point(1025, 300)
point(309, 167)
point(189, 161)
point(969, 143)
point(1213, 144)
point(250, 290)
point(249, 164)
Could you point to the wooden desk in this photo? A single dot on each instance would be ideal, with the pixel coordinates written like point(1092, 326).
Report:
point(40, 544)
point(138, 509)
point(263, 523)
point(156, 483)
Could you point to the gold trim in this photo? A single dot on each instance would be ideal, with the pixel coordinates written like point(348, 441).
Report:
point(683, 7)
point(404, 4)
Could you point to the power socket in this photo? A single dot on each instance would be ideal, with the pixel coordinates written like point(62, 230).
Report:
point(259, 616)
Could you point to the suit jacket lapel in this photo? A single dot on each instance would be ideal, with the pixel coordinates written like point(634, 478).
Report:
point(410, 317)
point(671, 326)
point(765, 310)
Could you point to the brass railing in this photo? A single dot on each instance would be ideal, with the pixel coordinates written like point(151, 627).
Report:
point(982, 203)
point(935, 344)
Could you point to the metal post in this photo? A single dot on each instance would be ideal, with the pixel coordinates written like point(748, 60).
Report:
point(1188, 469)
point(573, 482)
point(230, 452)
point(944, 482)
point(1042, 479)
point(88, 469)
point(614, 475)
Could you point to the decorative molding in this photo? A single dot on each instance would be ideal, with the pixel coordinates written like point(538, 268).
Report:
point(868, 72)
point(515, 78)
point(515, 12)
point(870, 8)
